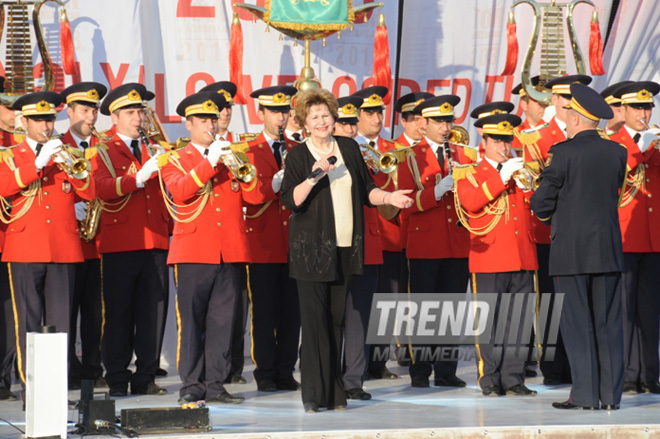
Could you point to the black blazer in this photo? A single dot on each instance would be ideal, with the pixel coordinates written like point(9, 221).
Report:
point(579, 195)
point(312, 237)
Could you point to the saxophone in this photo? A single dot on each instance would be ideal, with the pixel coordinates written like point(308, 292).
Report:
point(90, 225)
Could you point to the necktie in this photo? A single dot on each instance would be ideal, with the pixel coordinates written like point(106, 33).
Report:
point(135, 146)
point(636, 137)
point(296, 137)
point(38, 149)
point(372, 143)
point(499, 167)
point(277, 154)
point(84, 144)
point(439, 153)
point(206, 152)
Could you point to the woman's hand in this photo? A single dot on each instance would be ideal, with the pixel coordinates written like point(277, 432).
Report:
point(324, 166)
point(399, 199)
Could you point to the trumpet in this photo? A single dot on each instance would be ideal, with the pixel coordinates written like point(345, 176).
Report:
point(383, 162)
point(528, 176)
point(458, 136)
point(237, 162)
point(646, 125)
point(77, 167)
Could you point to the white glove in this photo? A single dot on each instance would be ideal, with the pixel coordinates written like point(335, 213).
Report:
point(647, 138)
point(522, 186)
point(47, 150)
point(148, 169)
point(277, 181)
point(446, 184)
point(81, 210)
point(217, 149)
point(509, 167)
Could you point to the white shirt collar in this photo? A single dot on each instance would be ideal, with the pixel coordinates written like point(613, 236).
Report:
point(127, 140)
point(410, 141)
point(199, 148)
point(561, 125)
point(364, 140)
point(32, 144)
point(78, 140)
point(493, 163)
point(631, 132)
point(434, 146)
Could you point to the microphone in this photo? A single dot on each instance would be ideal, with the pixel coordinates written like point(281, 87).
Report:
point(316, 172)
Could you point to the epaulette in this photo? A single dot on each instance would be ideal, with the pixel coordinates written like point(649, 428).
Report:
point(530, 135)
point(19, 137)
point(602, 134)
point(399, 145)
point(6, 154)
point(247, 137)
point(74, 151)
point(462, 171)
point(470, 153)
point(93, 150)
point(166, 146)
point(534, 165)
point(181, 142)
point(163, 159)
point(240, 147)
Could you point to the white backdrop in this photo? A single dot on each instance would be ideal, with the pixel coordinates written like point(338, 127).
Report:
point(177, 46)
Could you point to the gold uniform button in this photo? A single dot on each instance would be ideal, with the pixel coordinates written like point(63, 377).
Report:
point(516, 232)
point(448, 206)
point(216, 195)
point(251, 229)
point(646, 165)
point(45, 178)
point(114, 220)
point(285, 223)
point(219, 224)
point(650, 195)
point(449, 220)
point(46, 193)
point(650, 209)
point(123, 167)
point(148, 196)
point(515, 218)
point(647, 180)
point(510, 191)
point(261, 175)
point(217, 209)
point(149, 211)
point(283, 207)
point(215, 180)
point(416, 228)
point(47, 207)
point(513, 204)
point(48, 221)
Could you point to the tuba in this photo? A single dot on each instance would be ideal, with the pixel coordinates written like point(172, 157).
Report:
point(19, 66)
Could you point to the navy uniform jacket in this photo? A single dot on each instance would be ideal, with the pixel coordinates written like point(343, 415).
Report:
point(579, 195)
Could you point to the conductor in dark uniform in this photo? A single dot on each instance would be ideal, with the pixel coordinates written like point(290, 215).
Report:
point(579, 195)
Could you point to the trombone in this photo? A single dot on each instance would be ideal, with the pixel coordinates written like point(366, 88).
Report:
point(237, 162)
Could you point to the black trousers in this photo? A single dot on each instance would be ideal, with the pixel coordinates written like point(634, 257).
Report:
point(7, 329)
point(41, 294)
point(87, 303)
point(135, 289)
point(499, 366)
point(437, 276)
point(238, 329)
point(392, 278)
point(206, 299)
point(592, 315)
point(641, 314)
point(558, 367)
point(356, 322)
point(274, 320)
point(322, 307)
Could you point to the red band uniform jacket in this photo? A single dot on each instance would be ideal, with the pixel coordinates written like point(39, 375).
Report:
point(143, 222)
point(218, 233)
point(433, 230)
point(640, 206)
point(48, 230)
point(536, 147)
point(509, 246)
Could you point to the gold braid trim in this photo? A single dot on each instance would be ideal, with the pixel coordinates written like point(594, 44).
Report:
point(633, 183)
point(12, 212)
point(260, 211)
point(414, 170)
point(535, 152)
point(173, 208)
point(114, 206)
point(496, 208)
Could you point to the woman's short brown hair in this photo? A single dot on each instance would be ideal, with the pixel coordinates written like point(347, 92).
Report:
point(315, 96)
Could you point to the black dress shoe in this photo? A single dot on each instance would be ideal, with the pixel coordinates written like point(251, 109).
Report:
point(6, 395)
point(568, 405)
point(610, 406)
point(287, 384)
point(520, 390)
point(530, 372)
point(311, 407)
point(357, 393)
point(238, 379)
point(118, 391)
point(266, 385)
point(650, 387)
point(630, 388)
point(389, 375)
point(151, 389)
point(187, 398)
point(100, 383)
point(552, 380)
point(492, 390)
point(338, 407)
point(449, 381)
point(381, 373)
point(418, 381)
point(225, 398)
point(160, 372)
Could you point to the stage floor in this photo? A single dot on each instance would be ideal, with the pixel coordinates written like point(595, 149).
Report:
point(399, 411)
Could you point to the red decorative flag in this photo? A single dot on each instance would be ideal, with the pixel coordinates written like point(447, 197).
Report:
point(511, 46)
point(596, 47)
point(382, 71)
point(236, 58)
point(66, 45)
